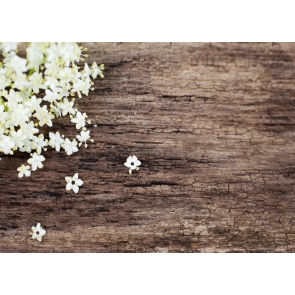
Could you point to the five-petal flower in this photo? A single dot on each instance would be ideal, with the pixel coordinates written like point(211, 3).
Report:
point(24, 170)
point(73, 183)
point(38, 232)
point(132, 163)
point(36, 161)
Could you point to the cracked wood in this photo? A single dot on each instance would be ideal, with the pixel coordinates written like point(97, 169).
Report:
point(214, 128)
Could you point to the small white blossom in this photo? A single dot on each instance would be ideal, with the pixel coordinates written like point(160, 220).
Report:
point(44, 116)
point(79, 120)
point(33, 103)
point(38, 143)
point(38, 232)
point(35, 55)
point(73, 183)
point(8, 46)
point(17, 64)
point(36, 82)
point(55, 140)
point(29, 129)
point(35, 161)
point(67, 107)
point(95, 70)
point(24, 170)
point(81, 86)
point(70, 146)
point(132, 163)
point(6, 144)
point(52, 96)
point(83, 137)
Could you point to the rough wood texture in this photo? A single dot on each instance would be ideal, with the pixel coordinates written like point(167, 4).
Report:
point(214, 127)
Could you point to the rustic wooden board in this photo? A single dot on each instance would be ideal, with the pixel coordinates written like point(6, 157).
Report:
point(214, 127)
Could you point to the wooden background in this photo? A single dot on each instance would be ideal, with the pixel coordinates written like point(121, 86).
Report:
point(214, 127)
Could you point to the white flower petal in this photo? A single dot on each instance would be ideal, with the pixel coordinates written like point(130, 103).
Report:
point(75, 177)
point(129, 159)
point(69, 186)
point(38, 227)
point(79, 182)
point(34, 166)
point(68, 179)
point(42, 232)
point(137, 163)
point(134, 158)
point(39, 238)
point(75, 188)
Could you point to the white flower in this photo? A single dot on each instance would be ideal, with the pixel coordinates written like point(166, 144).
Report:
point(73, 183)
point(70, 146)
point(8, 46)
point(35, 161)
point(38, 232)
point(33, 103)
point(67, 107)
point(55, 140)
point(52, 96)
point(4, 81)
point(6, 144)
point(24, 170)
point(35, 54)
point(44, 116)
point(79, 120)
point(132, 163)
point(83, 137)
point(36, 80)
point(17, 64)
point(51, 81)
point(29, 129)
point(38, 143)
point(95, 70)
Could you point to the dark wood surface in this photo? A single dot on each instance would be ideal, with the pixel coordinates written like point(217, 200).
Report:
point(214, 127)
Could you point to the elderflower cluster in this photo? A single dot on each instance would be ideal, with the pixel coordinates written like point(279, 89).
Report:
point(37, 89)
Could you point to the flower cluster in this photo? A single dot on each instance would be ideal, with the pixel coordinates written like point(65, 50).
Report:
point(37, 89)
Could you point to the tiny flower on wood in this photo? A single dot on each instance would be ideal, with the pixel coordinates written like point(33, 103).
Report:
point(24, 170)
point(132, 163)
point(73, 183)
point(38, 232)
point(36, 161)
point(83, 137)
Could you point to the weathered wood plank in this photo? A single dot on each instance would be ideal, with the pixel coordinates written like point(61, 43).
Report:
point(214, 127)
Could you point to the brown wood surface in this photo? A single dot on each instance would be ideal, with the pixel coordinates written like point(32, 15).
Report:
point(214, 127)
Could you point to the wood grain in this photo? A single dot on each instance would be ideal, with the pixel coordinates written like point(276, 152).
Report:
point(214, 128)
